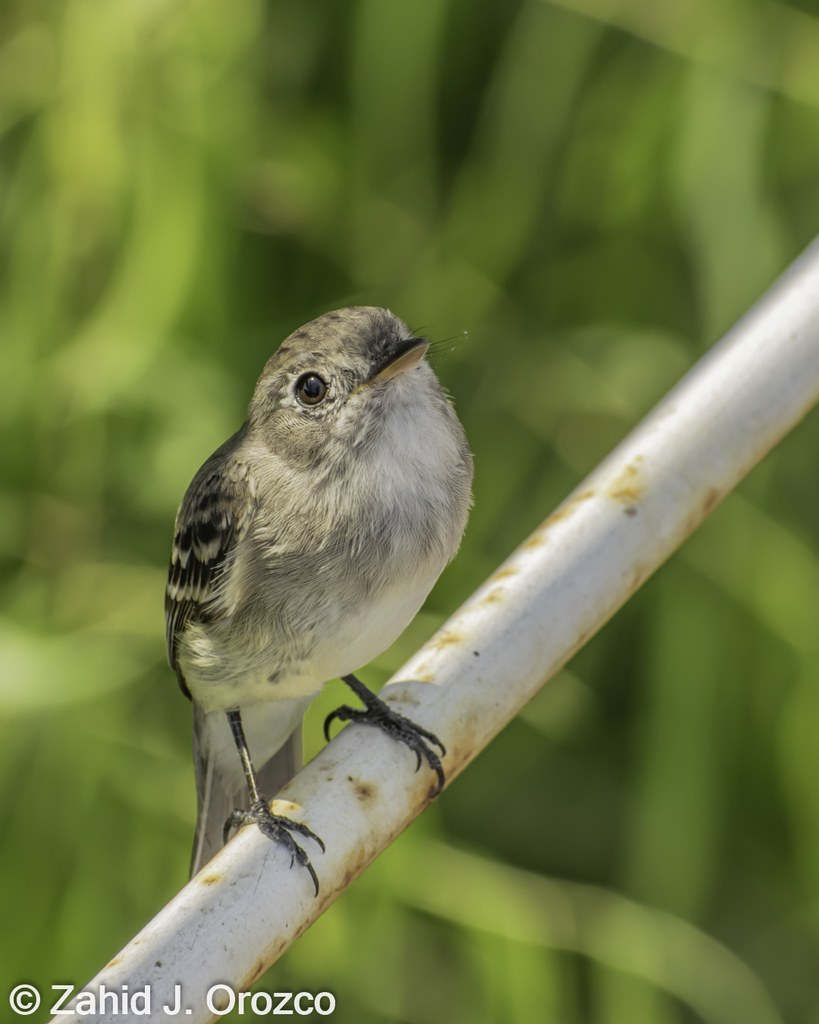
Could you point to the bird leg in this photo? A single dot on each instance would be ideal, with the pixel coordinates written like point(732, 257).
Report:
point(276, 827)
point(377, 713)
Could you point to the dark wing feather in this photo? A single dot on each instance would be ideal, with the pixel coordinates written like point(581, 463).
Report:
point(214, 516)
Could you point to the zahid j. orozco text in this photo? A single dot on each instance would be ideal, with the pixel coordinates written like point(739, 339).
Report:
point(220, 998)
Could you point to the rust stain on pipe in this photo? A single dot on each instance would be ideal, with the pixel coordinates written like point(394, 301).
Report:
point(630, 485)
point(446, 638)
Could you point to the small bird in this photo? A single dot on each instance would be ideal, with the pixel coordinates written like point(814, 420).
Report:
point(302, 549)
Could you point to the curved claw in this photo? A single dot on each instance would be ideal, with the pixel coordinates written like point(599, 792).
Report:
point(302, 829)
point(434, 739)
point(278, 829)
point(236, 820)
point(327, 720)
point(427, 736)
point(313, 874)
point(343, 714)
point(376, 712)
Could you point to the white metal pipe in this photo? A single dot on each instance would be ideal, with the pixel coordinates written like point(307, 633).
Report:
point(561, 585)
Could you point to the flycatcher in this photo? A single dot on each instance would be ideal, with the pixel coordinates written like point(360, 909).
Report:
point(302, 549)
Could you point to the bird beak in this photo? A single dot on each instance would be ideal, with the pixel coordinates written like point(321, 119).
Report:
point(404, 357)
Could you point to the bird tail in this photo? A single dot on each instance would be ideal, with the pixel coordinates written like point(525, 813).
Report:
point(220, 792)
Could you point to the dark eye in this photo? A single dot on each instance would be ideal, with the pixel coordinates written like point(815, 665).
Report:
point(310, 389)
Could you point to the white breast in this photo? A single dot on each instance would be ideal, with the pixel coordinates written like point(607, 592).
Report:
point(352, 593)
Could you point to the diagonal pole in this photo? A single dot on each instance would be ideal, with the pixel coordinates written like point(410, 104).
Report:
point(244, 909)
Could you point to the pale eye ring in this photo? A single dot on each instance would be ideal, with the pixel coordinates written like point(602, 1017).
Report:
point(310, 389)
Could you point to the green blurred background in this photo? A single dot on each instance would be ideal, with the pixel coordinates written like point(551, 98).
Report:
point(593, 191)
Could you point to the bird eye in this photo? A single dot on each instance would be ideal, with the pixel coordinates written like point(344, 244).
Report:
point(310, 389)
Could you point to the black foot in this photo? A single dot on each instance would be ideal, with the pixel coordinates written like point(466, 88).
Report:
point(376, 712)
point(278, 829)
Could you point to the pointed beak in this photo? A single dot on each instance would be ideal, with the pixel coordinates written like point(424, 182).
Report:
point(403, 357)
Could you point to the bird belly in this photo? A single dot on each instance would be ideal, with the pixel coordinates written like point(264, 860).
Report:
point(349, 636)
point(362, 636)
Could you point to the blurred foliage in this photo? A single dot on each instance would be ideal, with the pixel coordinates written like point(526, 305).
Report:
point(578, 198)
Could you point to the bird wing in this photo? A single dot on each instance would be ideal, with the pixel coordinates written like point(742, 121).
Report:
point(215, 515)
